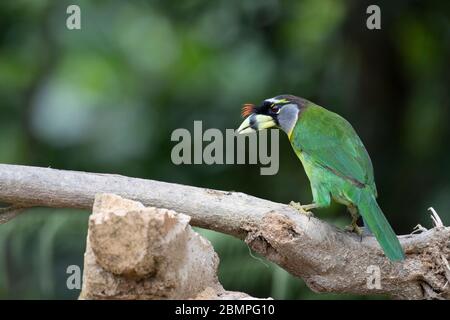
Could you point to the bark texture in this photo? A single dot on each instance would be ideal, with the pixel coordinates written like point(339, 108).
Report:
point(326, 258)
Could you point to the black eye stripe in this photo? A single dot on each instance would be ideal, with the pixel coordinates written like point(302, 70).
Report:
point(269, 107)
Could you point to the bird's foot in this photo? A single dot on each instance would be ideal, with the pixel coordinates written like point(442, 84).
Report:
point(356, 229)
point(360, 231)
point(302, 209)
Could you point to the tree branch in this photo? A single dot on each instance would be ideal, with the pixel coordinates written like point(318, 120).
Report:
point(325, 257)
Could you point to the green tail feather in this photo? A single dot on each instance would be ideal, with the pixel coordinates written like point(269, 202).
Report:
point(380, 227)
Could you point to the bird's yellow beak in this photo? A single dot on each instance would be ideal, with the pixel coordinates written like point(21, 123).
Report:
point(256, 122)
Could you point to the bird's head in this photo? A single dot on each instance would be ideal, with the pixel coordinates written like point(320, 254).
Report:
point(279, 112)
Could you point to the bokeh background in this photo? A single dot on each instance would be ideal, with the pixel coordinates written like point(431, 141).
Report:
point(106, 98)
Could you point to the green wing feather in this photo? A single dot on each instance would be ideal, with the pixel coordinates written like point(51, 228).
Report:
point(334, 144)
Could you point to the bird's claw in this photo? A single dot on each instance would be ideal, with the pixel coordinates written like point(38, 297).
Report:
point(354, 228)
point(360, 231)
point(297, 206)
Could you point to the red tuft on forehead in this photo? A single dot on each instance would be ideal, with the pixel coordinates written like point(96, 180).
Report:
point(247, 109)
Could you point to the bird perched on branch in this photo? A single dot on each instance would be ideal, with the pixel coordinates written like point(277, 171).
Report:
point(334, 158)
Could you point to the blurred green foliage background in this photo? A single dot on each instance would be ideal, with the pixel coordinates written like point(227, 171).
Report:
point(106, 98)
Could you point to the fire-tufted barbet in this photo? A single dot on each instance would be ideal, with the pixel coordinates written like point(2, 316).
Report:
point(334, 158)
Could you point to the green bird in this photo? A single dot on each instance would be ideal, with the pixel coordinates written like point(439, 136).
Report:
point(334, 158)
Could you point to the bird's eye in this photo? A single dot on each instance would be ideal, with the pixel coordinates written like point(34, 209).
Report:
point(275, 108)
